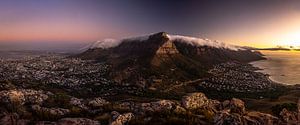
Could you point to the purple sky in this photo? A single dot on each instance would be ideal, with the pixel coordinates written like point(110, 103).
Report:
point(243, 22)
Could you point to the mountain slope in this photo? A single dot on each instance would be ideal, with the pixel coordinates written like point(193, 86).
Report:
point(164, 58)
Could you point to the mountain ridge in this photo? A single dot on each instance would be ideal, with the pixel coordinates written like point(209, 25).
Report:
point(163, 56)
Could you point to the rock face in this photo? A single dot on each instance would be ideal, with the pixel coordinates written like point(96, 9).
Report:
point(237, 106)
point(194, 101)
point(233, 112)
point(23, 96)
point(158, 106)
point(12, 97)
point(98, 102)
point(260, 118)
point(194, 108)
point(167, 48)
point(78, 102)
point(121, 119)
point(56, 112)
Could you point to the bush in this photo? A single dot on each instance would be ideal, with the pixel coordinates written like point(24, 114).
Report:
point(279, 107)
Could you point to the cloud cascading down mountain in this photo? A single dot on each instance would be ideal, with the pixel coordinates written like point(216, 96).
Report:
point(109, 43)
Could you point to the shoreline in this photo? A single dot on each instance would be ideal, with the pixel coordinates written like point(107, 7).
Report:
point(268, 75)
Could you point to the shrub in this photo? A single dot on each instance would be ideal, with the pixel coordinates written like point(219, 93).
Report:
point(279, 107)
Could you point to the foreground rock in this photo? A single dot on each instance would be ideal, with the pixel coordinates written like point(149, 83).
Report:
point(158, 106)
point(194, 108)
point(233, 112)
point(54, 112)
point(121, 119)
point(23, 96)
point(98, 102)
point(194, 101)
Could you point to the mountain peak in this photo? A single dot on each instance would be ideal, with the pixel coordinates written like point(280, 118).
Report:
point(161, 54)
point(162, 37)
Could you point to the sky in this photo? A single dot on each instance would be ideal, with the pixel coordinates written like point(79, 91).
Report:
point(257, 23)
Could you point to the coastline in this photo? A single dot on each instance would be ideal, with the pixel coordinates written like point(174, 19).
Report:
point(260, 70)
point(280, 66)
point(289, 95)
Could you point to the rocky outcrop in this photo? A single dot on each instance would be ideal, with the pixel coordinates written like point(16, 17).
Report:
point(225, 117)
point(98, 102)
point(23, 96)
point(78, 102)
point(260, 118)
point(237, 106)
point(12, 97)
point(158, 106)
point(194, 107)
point(233, 112)
point(197, 100)
point(55, 112)
point(167, 48)
point(121, 119)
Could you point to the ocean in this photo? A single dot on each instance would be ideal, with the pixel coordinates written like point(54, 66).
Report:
point(282, 66)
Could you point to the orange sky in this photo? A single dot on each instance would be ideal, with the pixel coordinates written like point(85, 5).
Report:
point(242, 22)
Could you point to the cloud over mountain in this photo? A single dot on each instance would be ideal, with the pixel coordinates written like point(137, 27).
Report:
point(109, 43)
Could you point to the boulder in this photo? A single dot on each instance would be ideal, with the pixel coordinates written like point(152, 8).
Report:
point(121, 119)
point(259, 118)
point(12, 97)
point(98, 102)
point(78, 102)
point(126, 106)
point(158, 106)
point(179, 110)
point(58, 112)
point(22, 96)
point(34, 96)
point(162, 105)
point(237, 106)
point(288, 116)
point(226, 118)
point(194, 101)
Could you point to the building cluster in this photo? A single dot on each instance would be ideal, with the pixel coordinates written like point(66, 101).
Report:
point(54, 69)
point(237, 77)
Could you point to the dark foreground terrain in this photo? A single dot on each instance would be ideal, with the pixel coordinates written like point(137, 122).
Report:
point(54, 89)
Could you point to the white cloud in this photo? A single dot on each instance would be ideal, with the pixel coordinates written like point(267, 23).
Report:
point(109, 43)
point(202, 42)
